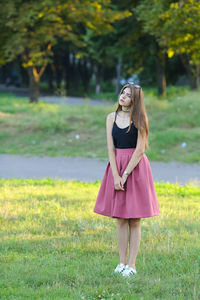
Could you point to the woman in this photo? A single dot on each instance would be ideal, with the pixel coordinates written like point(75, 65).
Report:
point(127, 190)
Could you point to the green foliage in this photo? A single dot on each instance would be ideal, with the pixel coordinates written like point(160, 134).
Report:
point(150, 13)
point(174, 25)
point(181, 29)
point(31, 28)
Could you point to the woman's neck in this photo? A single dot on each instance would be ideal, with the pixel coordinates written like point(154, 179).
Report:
point(124, 115)
point(126, 109)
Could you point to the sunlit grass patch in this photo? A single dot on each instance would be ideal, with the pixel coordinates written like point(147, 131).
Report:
point(67, 130)
point(53, 246)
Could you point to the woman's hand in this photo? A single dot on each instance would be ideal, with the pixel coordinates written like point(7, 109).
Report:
point(119, 183)
point(124, 178)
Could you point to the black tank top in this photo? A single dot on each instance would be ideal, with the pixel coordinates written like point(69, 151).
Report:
point(121, 138)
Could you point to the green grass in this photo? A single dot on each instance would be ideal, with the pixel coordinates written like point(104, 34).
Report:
point(64, 130)
point(53, 246)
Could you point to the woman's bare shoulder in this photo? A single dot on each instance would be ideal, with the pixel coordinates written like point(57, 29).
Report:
point(111, 116)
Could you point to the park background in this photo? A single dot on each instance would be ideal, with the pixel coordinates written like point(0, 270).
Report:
point(52, 244)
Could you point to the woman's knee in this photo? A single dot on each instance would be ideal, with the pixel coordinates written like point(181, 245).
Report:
point(134, 222)
point(122, 222)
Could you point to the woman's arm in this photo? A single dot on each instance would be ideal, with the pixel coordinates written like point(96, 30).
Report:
point(137, 154)
point(110, 145)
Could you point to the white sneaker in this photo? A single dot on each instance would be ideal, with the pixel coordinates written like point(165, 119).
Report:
point(120, 268)
point(128, 271)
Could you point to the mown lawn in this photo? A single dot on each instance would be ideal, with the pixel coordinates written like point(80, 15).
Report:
point(54, 247)
point(64, 130)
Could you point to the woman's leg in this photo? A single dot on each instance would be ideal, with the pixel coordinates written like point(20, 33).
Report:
point(122, 239)
point(134, 240)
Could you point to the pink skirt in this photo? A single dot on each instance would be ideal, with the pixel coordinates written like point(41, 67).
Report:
point(139, 200)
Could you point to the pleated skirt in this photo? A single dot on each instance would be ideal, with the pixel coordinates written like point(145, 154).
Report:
point(139, 200)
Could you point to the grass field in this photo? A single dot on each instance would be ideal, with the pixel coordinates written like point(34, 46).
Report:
point(54, 247)
point(64, 130)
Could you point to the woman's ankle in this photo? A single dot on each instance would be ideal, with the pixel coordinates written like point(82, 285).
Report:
point(131, 265)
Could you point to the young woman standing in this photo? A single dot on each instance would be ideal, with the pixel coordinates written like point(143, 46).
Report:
point(127, 191)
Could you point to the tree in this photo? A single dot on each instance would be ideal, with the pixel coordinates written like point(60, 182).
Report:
point(31, 28)
point(150, 14)
point(182, 36)
point(175, 26)
point(120, 49)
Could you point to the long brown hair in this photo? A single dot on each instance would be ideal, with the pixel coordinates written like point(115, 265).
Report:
point(138, 113)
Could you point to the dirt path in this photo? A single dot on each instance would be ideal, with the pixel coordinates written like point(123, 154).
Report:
point(87, 169)
point(53, 99)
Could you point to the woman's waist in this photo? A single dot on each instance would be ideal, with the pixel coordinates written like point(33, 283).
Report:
point(124, 150)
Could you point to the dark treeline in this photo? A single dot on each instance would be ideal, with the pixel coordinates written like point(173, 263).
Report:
point(89, 45)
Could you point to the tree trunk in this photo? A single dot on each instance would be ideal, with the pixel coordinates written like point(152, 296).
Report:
point(198, 75)
point(73, 72)
point(58, 76)
point(50, 76)
point(34, 85)
point(118, 71)
point(193, 72)
point(85, 72)
point(160, 69)
point(66, 64)
point(98, 79)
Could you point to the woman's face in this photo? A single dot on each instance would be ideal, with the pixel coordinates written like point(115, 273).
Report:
point(125, 97)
